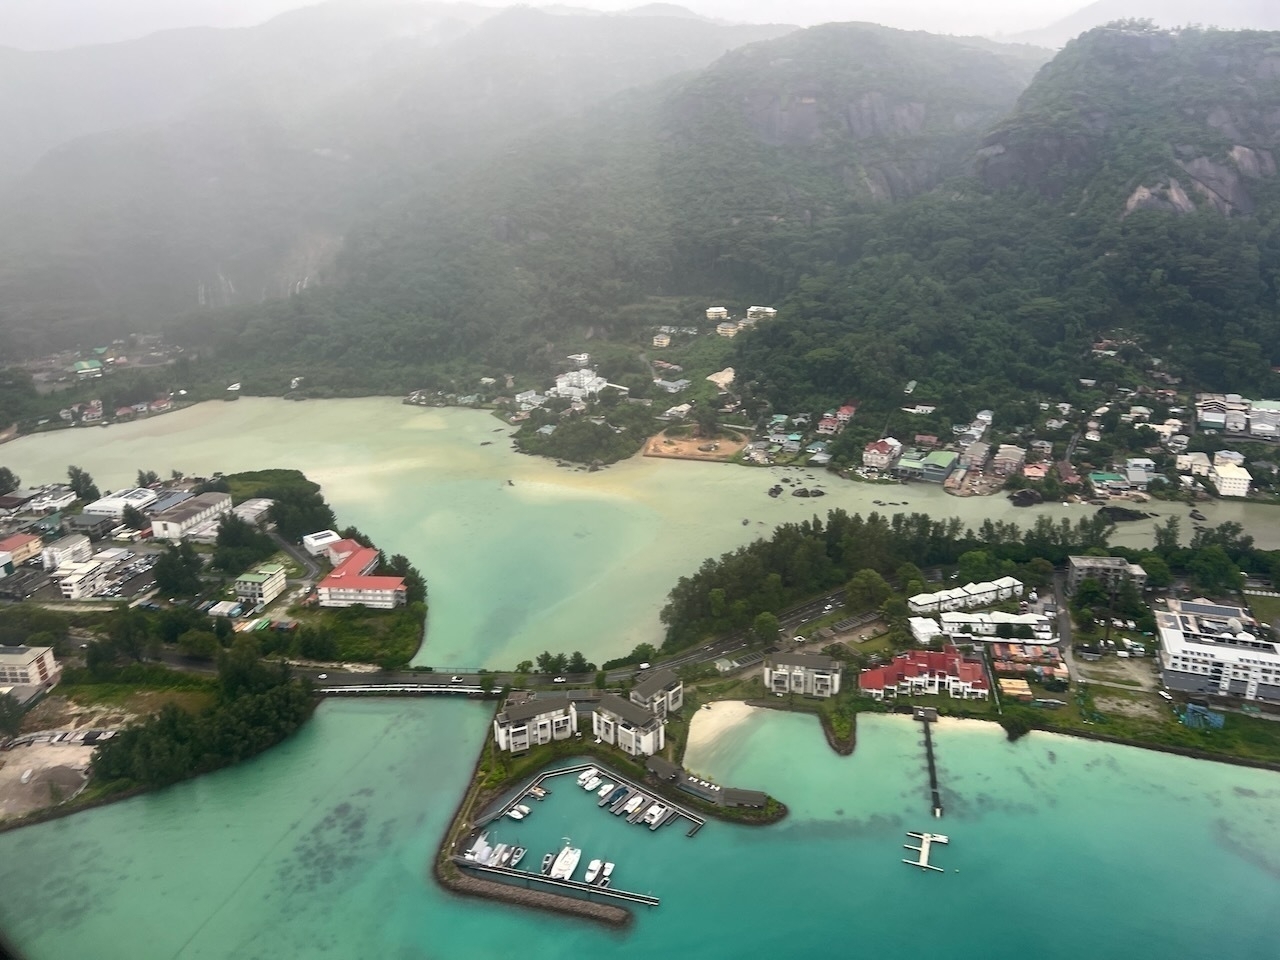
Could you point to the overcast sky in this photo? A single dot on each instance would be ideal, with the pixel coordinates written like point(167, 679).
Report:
point(45, 24)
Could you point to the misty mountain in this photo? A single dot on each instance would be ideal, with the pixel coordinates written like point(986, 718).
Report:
point(1227, 14)
point(731, 180)
point(248, 194)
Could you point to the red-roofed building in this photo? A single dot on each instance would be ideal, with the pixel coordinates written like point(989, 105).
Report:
point(881, 454)
point(339, 550)
point(927, 672)
point(21, 547)
point(926, 440)
point(845, 413)
point(829, 426)
point(351, 583)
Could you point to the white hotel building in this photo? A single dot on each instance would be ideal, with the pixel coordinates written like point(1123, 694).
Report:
point(28, 666)
point(535, 722)
point(1217, 650)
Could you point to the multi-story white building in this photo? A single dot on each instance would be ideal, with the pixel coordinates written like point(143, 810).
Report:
point(28, 666)
point(578, 384)
point(113, 504)
point(262, 585)
point(1108, 571)
point(72, 549)
point(1220, 650)
point(176, 522)
point(927, 672)
point(1230, 479)
point(761, 313)
point(80, 579)
point(51, 498)
point(1264, 418)
point(661, 693)
point(808, 674)
point(352, 583)
point(318, 542)
point(727, 328)
point(631, 729)
point(662, 340)
point(535, 722)
point(956, 622)
point(716, 314)
point(1197, 464)
point(1008, 459)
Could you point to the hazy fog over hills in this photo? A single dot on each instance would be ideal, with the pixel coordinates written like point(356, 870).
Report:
point(1228, 14)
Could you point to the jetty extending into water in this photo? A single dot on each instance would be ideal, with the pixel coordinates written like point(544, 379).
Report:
point(927, 840)
point(590, 889)
point(926, 715)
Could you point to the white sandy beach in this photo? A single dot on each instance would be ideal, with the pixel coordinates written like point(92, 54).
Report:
point(715, 719)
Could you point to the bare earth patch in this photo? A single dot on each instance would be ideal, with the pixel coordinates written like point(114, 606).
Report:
point(690, 448)
point(57, 773)
point(1130, 708)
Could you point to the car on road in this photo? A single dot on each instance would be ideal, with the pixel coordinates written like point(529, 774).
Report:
point(455, 679)
point(797, 639)
point(828, 608)
point(558, 680)
point(322, 676)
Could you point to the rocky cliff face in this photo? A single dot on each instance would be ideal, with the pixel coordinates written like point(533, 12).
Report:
point(1144, 120)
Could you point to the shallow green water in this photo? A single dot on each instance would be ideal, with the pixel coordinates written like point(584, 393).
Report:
point(320, 848)
point(556, 559)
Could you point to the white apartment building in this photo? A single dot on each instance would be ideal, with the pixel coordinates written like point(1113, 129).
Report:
point(72, 549)
point(966, 597)
point(631, 729)
point(727, 328)
point(176, 522)
point(716, 314)
point(761, 313)
point(662, 340)
point(578, 384)
point(1197, 464)
point(57, 497)
point(262, 585)
point(28, 666)
point(535, 722)
point(1230, 479)
point(318, 542)
point(80, 579)
point(987, 624)
point(1219, 650)
point(113, 504)
point(661, 693)
point(808, 674)
point(1108, 571)
point(1264, 418)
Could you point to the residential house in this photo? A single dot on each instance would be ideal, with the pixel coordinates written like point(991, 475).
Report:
point(921, 409)
point(975, 455)
point(661, 693)
point(828, 426)
point(262, 585)
point(160, 405)
point(761, 313)
point(716, 314)
point(1197, 464)
point(673, 386)
point(927, 672)
point(818, 446)
point(970, 623)
point(1035, 471)
point(926, 441)
point(579, 359)
point(1008, 460)
point(352, 582)
point(533, 723)
point(792, 443)
point(632, 729)
point(662, 340)
point(1109, 571)
point(846, 412)
point(808, 674)
point(1042, 447)
point(1230, 480)
point(1228, 456)
point(727, 328)
point(881, 454)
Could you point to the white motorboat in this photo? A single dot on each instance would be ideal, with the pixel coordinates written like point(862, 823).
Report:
point(480, 850)
point(566, 862)
point(516, 856)
point(605, 874)
point(496, 855)
point(515, 813)
point(654, 815)
point(634, 804)
point(593, 870)
point(590, 785)
point(547, 861)
point(605, 791)
point(587, 774)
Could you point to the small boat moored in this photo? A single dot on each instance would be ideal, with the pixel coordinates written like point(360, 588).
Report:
point(654, 815)
point(605, 791)
point(516, 856)
point(590, 785)
point(547, 861)
point(593, 870)
point(605, 874)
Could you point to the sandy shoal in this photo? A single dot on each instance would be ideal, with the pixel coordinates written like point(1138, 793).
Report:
point(710, 723)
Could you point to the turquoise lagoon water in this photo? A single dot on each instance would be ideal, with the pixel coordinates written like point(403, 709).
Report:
point(321, 848)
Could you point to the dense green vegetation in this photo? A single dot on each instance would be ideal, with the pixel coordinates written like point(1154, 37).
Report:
point(299, 506)
point(258, 705)
point(803, 559)
point(388, 638)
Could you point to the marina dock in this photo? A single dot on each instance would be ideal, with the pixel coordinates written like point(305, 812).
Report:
point(927, 840)
point(650, 799)
point(590, 889)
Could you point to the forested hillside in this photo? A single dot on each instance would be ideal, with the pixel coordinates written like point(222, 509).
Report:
point(328, 118)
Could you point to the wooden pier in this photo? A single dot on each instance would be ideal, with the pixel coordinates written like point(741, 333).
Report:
point(933, 769)
point(590, 889)
point(927, 840)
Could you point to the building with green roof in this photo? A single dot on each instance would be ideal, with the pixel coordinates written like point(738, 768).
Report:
point(939, 464)
point(262, 585)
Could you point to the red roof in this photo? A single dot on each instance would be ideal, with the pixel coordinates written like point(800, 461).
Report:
point(341, 549)
point(351, 574)
point(9, 544)
point(879, 446)
point(919, 663)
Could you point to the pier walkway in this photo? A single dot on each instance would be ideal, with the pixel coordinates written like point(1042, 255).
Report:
point(590, 889)
point(927, 840)
point(933, 768)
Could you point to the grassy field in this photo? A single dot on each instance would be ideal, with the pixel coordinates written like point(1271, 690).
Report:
point(134, 700)
point(1266, 609)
